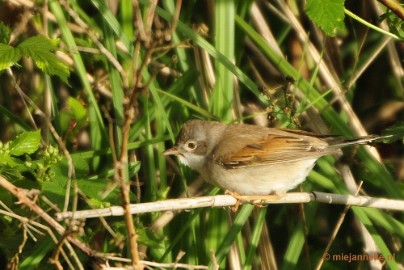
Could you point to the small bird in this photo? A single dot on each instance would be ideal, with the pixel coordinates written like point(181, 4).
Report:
point(254, 160)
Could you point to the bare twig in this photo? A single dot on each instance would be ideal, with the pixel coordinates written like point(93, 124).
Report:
point(29, 225)
point(23, 199)
point(96, 41)
point(174, 265)
point(71, 174)
point(215, 265)
point(227, 200)
point(335, 231)
point(138, 21)
point(175, 19)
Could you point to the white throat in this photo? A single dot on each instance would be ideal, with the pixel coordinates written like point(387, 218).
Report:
point(191, 160)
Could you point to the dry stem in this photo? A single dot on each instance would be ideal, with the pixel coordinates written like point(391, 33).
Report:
point(227, 200)
point(23, 199)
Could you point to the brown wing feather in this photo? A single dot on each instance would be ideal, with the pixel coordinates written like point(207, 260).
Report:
point(272, 150)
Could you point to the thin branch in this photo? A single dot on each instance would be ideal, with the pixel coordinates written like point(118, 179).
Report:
point(71, 174)
point(95, 39)
point(26, 201)
point(122, 178)
point(31, 225)
point(174, 20)
point(371, 26)
point(335, 231)
point(227, 200)
point(174, 265)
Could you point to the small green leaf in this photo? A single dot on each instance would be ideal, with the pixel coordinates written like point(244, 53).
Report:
point(327, 14)
point(93, 189)
point(26, 143)
point(396, 24)
point(6, 159)
point(8, 56)
point(38, 44)
point(94, 203)
point(75, 113)
point(78, 110)
point(396, 132)
point(40, 48)
point(5, 33)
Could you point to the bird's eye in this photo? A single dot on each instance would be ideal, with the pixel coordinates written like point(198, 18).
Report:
point(191, 145)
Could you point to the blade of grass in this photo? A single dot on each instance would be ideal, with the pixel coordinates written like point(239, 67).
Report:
point(364, 219)
point(296, 242)
point(111, 20)
point(185, 103)
point(190, 33)
point(255, 238)
point(14, 118)
point(97, 128)
point(116, 88)
point(222, 95)
point(239, 221)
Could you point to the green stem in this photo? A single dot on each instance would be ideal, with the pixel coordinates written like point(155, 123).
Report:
point(374, 27)
point(394, 6)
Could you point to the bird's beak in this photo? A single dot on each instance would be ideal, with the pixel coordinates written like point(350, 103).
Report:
point(172, 151)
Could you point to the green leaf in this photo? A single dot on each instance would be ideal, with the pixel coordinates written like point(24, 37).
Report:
point(26, 143)
point(5, 33)
point(92, 188)
point(73, 117)
point(78, 110)
point(6, 159)
point(396, 24)
point(8, 56)
point(37, 45)
point(39, 253)
point(40, 48)
point(396, 132)
point(327, 14)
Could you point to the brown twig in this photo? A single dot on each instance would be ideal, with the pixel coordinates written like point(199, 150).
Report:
point(71, 174)
point(23, 199)
point(31, 225)
point(138, 21)
point(149, 17)
point(96, 41)
point(228, 200)
point(121, 165)
point(123, 180)
point(335, 231)
point(174, 20)
point(130, 116)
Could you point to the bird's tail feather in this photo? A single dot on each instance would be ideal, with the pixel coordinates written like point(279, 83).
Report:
point(339, 143)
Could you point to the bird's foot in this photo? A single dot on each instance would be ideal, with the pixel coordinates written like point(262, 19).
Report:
point(257, 200)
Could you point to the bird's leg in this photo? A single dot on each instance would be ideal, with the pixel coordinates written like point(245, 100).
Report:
point(261, 199)
point(238, 197)
point(257, 200)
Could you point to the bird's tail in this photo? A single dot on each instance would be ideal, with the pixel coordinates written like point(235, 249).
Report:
point(339, 143)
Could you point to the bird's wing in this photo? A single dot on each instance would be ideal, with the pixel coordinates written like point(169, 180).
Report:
point(274, 149)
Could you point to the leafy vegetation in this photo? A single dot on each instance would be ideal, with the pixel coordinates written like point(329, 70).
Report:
point(92, 94)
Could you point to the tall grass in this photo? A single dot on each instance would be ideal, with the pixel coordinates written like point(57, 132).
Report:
point(213, 66)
